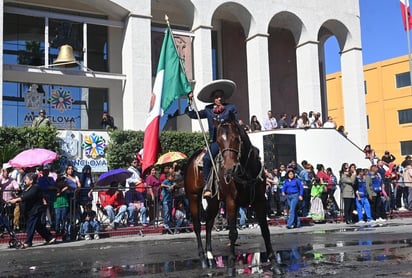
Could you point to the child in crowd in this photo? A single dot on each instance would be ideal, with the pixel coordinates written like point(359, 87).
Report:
point(167, 188)
point(90, 223)
point(181, 220)
point(332, 210)
point(61, 205)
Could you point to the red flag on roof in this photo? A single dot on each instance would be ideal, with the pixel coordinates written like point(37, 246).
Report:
point(406, 14)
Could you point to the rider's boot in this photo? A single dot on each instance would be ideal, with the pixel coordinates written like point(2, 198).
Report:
point(207, 191)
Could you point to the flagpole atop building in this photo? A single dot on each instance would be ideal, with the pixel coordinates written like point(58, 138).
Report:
point(193, 103)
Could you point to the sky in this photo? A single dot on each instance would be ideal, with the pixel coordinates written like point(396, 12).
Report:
point(383, 36)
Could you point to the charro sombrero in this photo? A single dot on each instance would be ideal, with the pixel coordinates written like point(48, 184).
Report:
point(224, 85)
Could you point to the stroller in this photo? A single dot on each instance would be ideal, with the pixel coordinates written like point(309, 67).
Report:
point(14, 242)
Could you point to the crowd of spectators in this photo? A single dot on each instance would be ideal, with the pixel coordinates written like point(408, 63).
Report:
point(304, 121)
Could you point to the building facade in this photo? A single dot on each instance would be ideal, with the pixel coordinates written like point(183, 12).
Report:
point(273, 50)
point(388, 95)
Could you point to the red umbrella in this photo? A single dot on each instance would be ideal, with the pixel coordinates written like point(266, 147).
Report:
point(33, 157)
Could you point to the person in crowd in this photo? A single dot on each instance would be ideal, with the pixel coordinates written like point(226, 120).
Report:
point(388, 158)
point(283, 123)
point(181, 218)
point(107, 122)
point(10, 189)
point(87, 184)
point(347, 182)
point(61, 206)
point(135, 202)
point(276, 191)
point(217, 111)
point(293, 122)
point(153, 182)
point(270, 122)
point(330, 123)
point(167, 188)
point(332, 210)
point(283, 201)
point(370, 154)
point(293, 190)
point(317, 121)
point(136, 177)
point(242, 218)
point(18, 175)
point(305, 176)
point(375, 188)
point(41, 120)
point(245, 127)
point(48, 185)
point(179, 194)
point(32, 200)
point(401, 194)
point(362, 200)
point(406, 161)
point(342, 131)
point(407, 179)
point(113, 202)
point(73, 182)
point(325, 180)
point(255, 124)
point(269, 183)
point(303, 121)
point(89, 223)
point(317, 211)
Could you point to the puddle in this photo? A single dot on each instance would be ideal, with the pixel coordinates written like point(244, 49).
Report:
point(291, 260)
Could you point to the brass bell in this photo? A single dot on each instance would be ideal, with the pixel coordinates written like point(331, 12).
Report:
point(66, 57)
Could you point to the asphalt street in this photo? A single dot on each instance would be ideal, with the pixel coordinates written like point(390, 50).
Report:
point(327, 250)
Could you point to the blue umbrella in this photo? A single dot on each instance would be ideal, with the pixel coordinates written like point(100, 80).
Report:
point(117, 175)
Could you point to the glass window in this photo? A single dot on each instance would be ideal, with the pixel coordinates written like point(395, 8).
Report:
point(23, 40)
point(66, 107)
point(97, 47)
point(62, 32)
point(406, 147)
point(403, 79)
point(405, 116)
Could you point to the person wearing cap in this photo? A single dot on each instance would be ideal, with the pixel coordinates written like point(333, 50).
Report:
point(216, 93)
point(41, 120)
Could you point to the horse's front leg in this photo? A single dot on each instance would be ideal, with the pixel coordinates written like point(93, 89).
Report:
point(212, 208)
point(233, 235)
point(194, 201)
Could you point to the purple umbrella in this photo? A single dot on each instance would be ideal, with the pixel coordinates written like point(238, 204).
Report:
point(33, 157)
point(117, 175)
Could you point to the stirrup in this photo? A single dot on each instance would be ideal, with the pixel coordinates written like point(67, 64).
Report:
point(207, 193)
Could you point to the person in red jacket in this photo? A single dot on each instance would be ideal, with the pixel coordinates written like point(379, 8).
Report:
point(114, 204)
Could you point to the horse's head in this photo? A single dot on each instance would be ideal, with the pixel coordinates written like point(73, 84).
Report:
point(230, 145)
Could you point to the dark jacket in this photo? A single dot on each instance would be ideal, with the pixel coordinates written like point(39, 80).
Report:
point(208, 114)
point(32, 200)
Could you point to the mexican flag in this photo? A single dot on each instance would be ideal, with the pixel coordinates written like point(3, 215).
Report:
point(171, 83)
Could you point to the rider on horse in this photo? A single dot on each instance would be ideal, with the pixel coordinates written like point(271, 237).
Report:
point(216, 92)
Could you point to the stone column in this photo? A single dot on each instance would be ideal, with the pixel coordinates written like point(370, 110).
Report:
point(258, 76)
point(354, 96)
point(307, 60)
point(136, 65)
point(202, 68)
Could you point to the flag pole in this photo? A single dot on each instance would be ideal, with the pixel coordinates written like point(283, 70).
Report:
point(193, 103)
point(409, 40)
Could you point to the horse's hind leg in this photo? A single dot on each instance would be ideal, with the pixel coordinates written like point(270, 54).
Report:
point(261, 212)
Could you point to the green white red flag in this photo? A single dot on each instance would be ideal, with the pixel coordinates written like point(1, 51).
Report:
point(171, 83)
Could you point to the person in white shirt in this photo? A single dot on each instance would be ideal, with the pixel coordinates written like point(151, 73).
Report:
point(135, 178)
point(270, 122)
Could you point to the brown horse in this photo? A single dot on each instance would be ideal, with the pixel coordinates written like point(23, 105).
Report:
point(241, 183)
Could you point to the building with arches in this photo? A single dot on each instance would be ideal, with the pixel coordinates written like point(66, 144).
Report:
point(272, 49)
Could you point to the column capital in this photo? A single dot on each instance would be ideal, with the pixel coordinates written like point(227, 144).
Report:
point(265, 35)
point(350, 49)
point(307, 42)
point(210, 27)
point(134, 15)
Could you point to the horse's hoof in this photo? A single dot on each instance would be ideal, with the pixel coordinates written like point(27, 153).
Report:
point(230, 271)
